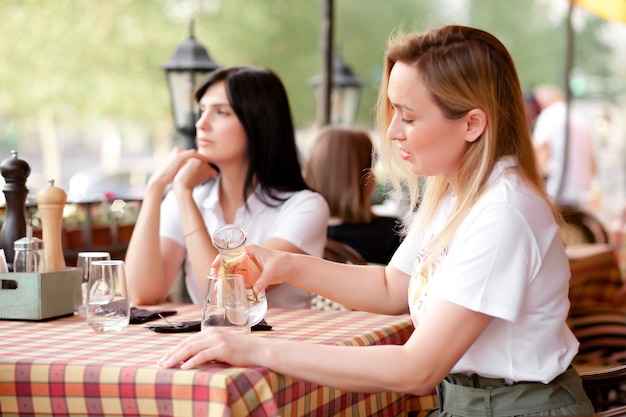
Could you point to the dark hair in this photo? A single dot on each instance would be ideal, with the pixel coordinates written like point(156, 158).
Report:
point(258, 98)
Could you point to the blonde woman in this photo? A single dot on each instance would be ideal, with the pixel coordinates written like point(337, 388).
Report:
point(482, 270)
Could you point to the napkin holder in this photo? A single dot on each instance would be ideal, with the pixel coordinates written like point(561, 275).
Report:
point(38, 296)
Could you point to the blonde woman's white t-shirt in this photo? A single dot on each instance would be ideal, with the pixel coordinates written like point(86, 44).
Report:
point(506, 260)
point(300, 220)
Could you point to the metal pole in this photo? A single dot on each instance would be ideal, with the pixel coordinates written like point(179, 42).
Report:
point(323, 111)
point(569, 63)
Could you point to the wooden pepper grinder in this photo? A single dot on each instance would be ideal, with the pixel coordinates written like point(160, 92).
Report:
point(15, 172)
point(51, 201)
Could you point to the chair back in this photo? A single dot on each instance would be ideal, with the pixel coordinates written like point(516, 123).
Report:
point(336, 251)
point(606, 388)
point(582, 226)
point(596, 276)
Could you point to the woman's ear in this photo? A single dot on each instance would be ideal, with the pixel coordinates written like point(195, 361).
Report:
point(476, 123)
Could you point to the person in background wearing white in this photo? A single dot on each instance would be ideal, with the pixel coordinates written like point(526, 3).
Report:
point(482, 270)
point(549, 136)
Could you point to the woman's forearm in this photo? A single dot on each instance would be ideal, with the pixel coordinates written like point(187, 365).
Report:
point(350, 368)
point(200, 249)
point(361, 287)
point(144, 263)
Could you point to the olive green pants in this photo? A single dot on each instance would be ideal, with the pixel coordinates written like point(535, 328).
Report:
point(475, 396)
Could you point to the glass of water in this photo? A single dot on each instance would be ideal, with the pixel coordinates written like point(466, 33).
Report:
point(84, 264)
point(107, 308)
point(225, 303)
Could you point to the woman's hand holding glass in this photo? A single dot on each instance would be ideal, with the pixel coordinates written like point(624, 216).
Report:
point(274, 265)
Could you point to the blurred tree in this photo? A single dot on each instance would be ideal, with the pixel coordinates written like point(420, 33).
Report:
point(85, 60)
point(536, 36)
point(362, 30)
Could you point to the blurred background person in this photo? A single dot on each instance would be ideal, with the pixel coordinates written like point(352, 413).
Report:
point(550, 136)
point(339, 167)
point(532, 108)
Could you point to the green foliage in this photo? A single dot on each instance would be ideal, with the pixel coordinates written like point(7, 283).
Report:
point(85, 60)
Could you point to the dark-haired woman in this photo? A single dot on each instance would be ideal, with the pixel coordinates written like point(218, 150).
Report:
point(245, 171)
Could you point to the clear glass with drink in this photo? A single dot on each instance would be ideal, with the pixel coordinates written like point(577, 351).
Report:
point(225, 303)
point(107, 308)
point(83, 263)
point(230, 240)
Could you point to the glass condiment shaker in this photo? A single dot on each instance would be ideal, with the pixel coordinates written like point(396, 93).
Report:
point(29, 253)
point(230, 240)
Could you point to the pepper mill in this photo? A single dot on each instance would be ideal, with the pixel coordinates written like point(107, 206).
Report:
point(15, 172)
point(51, 201)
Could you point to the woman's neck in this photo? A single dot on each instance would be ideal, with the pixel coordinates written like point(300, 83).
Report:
point(231, 192)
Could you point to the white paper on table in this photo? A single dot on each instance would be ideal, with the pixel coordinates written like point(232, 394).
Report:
point(3, 262)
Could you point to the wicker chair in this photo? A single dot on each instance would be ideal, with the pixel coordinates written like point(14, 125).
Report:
point(582, 227)
point(336, 251)
point(606, 388)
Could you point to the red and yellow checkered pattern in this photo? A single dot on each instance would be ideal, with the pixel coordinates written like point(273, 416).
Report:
point(63, 368)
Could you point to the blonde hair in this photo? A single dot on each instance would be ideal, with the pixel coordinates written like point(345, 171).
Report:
point(463, 68)
point(339, 168)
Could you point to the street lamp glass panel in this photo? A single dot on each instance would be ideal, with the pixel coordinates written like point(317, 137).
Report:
point(183, 85)
point(343, 104)
point(344, 93)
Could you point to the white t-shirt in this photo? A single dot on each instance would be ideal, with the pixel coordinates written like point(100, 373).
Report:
point(550, 130)
point(506, 260)
point(300, 220)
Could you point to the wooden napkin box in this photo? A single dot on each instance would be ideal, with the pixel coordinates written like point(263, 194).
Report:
point(38, 296)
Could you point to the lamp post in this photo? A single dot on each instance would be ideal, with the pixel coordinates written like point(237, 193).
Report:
point(345, 89)
point(184, 71)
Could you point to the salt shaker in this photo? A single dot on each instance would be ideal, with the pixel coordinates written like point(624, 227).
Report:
point(50, 202)
point(15, 172)
point(29, 253)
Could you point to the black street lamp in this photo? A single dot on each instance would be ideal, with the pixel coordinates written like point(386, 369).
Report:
point(184, 71)
point(345, 89)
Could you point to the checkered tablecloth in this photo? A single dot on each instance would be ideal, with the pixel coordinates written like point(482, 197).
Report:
point(63, 368)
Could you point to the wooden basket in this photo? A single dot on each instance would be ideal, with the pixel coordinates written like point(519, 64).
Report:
point(38, 296)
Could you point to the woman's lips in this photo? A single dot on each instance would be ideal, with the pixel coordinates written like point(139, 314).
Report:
point(203, 141)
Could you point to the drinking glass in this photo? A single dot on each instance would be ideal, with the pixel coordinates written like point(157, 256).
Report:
point(84, 264)
point(225, 303)
point(107, 307)
point(229, 240)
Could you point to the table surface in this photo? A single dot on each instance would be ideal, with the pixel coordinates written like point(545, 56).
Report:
point(62, 367)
